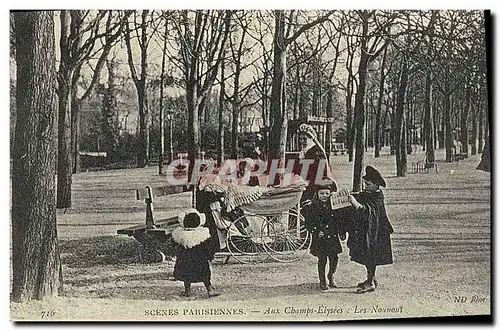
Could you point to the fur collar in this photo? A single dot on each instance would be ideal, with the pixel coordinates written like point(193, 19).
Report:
point(190, 238)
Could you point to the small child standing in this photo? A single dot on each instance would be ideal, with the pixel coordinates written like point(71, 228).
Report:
point(327, 230)
point(370, 232)
point(194, 251)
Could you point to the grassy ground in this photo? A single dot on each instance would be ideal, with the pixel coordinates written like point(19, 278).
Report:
point(442, 252)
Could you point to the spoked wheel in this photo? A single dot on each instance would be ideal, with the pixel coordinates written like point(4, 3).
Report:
point(246, 239)
point(290, 239)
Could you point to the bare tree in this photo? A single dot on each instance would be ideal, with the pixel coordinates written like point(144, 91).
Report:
point(282, 38)
point(449, 29)
point(35, 254)
point(143, 39)
point(220, 135)
point(428, 123)
point(378, 111)
point(113, 29)
point(203, 36)
point(75, 49)
point(162, 111)
point(371, 45)
point(237, 50)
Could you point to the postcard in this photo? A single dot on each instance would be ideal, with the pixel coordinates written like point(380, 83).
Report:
point(250, 165)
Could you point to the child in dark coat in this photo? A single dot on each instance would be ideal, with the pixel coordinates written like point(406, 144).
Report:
point(194, 251)
point(369, 234)
point(326, 228)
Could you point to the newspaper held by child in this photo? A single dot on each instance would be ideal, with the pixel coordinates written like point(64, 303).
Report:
point(340, 199)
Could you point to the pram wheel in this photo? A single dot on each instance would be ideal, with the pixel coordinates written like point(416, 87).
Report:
point(246, 241)
point(290, 240)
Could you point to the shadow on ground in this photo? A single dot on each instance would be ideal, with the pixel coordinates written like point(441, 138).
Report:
point(99, 251)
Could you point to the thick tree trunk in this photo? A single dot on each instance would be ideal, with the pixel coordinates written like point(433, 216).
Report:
point(76, 41)
point(349, 125)
point(65, 78)
point(234, 128)
point(193, 131)
point(64, 156)
point(378, 112)
point(428, 120)
point(359, 115)
point(399, 119)
point(265, 117)
point(278, 109)
point(35, 255)
point(480, 128)
point(297, 92)
point(441, 131)
point(485, 163)
point(220, 154)
point(473, 150)
point(377, 132)
point(464, 132)
point(448, 142)
point(316, 93)
point(162, 111)
point(75, 135)
point(393, 130)
point(435, 133)
point(143, 150)
point(302, 103)
point(329, 130)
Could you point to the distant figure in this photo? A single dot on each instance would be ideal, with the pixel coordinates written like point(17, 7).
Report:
point(250, 150)
point(369, 232)
point(194, 251)
point(327, 230)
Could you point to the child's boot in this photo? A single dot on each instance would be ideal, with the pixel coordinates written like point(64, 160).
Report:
point(187, 290)
point(322, 280)
point(211, 291)
point(369, 284)
point(331, 273)
point(331, 281)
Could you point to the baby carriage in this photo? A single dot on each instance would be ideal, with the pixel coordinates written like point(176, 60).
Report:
point(255, 223)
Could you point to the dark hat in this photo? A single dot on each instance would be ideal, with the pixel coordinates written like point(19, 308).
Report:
point(192, 219)
point(326, 183)
point(374, 176)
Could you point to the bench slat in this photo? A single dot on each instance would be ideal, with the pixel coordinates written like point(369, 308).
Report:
point(142, 193)
point(161, 224)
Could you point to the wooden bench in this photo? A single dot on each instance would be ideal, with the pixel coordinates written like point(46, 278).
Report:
point(153, 235)
point(460, 156)
point(339, 151)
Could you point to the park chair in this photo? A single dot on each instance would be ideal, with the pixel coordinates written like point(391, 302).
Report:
point(338, 148)
point(423, 166)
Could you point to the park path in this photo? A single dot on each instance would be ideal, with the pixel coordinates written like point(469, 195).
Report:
point(442, 252)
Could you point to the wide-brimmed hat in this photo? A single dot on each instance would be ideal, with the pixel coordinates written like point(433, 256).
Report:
point(374, 176)
point(307, 130)
point(191, 219)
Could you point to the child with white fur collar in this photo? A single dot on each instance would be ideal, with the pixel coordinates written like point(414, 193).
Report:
point(193, 252)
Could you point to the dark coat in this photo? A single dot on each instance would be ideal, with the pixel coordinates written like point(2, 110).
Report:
point(203, 201)
point(314, 153)
point(192, 263)
point(320, 217)
point(369, 231)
